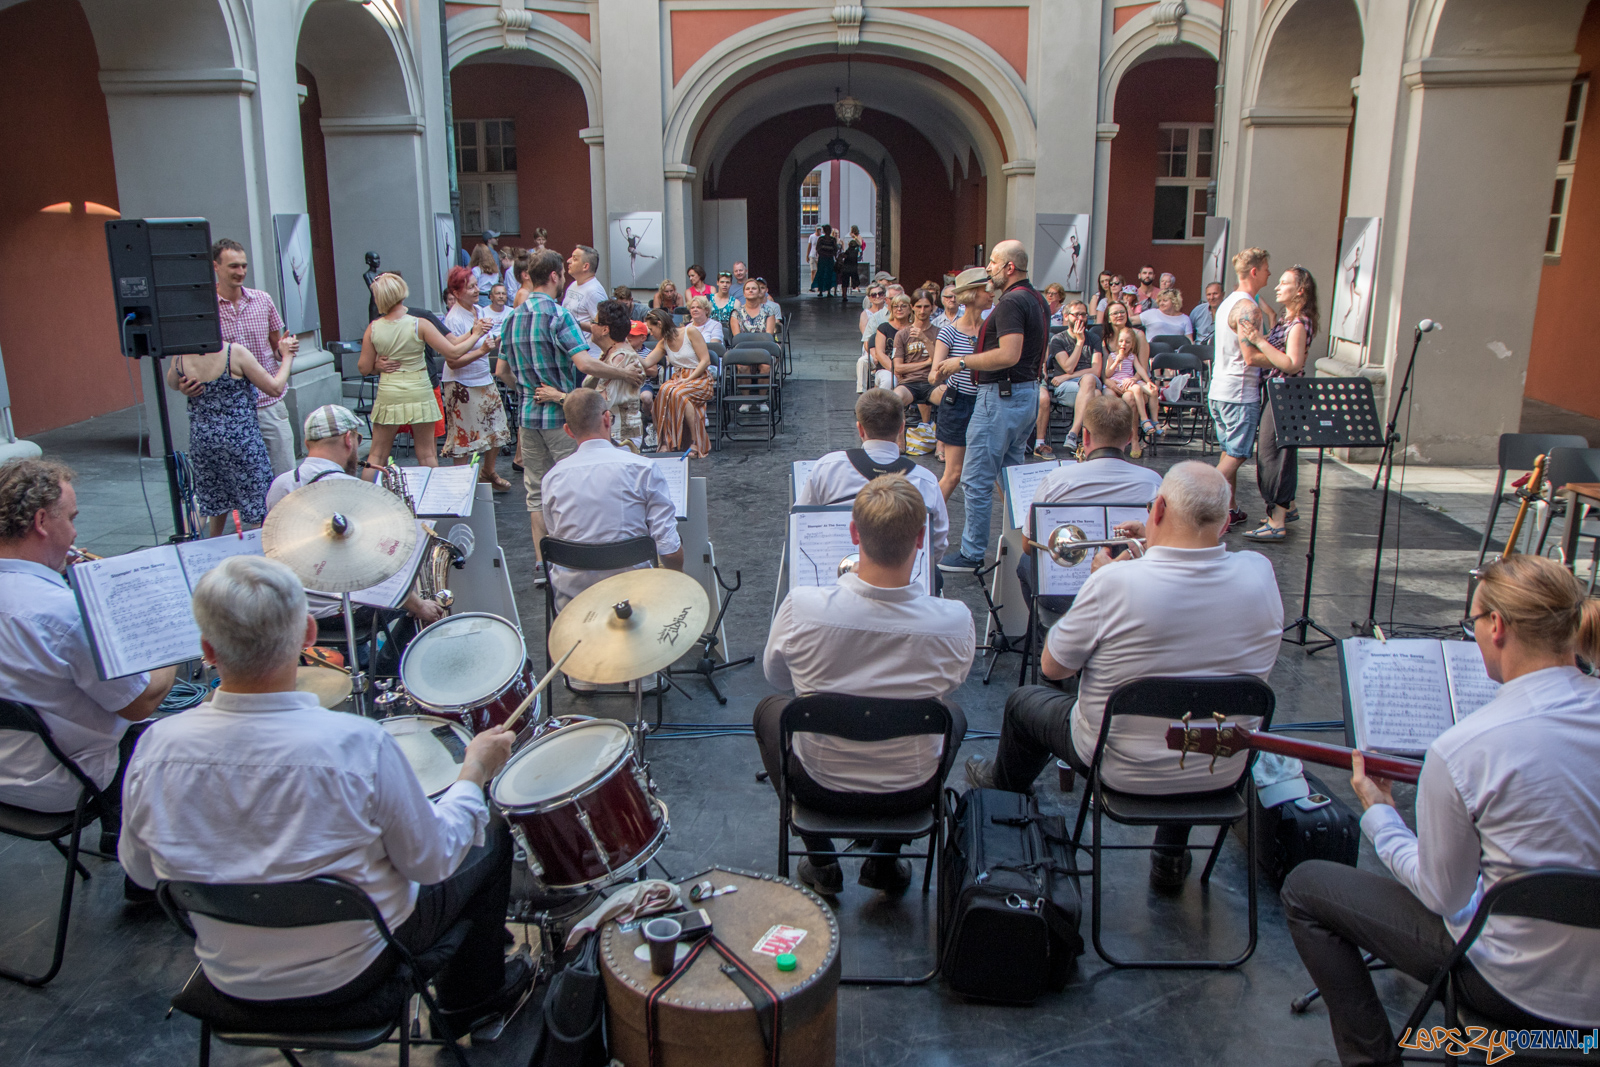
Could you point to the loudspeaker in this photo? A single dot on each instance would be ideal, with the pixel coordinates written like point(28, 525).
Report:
point(161, 276)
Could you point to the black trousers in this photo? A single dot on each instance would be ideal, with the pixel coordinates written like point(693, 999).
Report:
point(1277, 469)
point(1038, 728)
point(1335, 912)
point(479, 891)
point(769, 738)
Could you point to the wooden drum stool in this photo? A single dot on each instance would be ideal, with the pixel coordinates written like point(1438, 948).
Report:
point(704, 1018)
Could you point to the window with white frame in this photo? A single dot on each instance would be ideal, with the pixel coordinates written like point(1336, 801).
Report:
point(1183, 171)
point(486, 170)
point(811, 200)
point(1566, 163)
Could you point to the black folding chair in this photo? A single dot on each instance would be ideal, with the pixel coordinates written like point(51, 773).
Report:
point(52, 827)
point(1173, 341)
point(745, 386)
point(1517, 452)
point(1564, 895)
point(866, 719)
point(1191, 402)
point(578, 556)
point(718, 352)
point(363, 1023)
point(1562, 467)
point(1169, 699)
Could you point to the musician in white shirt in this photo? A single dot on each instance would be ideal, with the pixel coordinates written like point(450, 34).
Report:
point(838, 476)
point(1508, 788)
point(874, 634)
point(262, 785)
point(1148, 612)
point(602, 493)
point(46, 660)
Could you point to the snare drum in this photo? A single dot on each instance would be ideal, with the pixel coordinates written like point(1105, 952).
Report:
point(434, 748)
point(472, 668)
point(580, 806)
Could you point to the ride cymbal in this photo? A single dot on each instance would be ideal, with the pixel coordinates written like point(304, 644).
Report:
point(631, 625)
point(340, 534)
point(330, 687)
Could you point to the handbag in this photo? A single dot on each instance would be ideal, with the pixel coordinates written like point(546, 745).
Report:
point(573, 1033)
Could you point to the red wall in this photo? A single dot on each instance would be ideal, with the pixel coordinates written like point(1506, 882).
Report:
point(62, 354)
point(552, 161)
point(314, 154)
point(1561, 363)
point(1163, 90)
point(930, 239)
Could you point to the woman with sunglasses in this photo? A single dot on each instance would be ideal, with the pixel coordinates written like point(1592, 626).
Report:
point(883, 340)
point(876, 312)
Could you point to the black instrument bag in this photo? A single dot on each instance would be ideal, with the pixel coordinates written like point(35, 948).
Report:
point(1290, 836)
point(1009, 903)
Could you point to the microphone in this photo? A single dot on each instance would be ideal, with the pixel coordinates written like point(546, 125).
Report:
point(1428, 326)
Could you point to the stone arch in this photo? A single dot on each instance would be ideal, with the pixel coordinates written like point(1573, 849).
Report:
point(866, 152)
point(1480, 30)
point(481, 30)
point(359, 56)
point(195, 35)
point(1153, 34)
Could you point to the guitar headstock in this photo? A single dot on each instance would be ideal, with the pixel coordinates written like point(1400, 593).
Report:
point(1218, 739)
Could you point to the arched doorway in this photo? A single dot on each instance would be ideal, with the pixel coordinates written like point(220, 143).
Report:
point(839, 193)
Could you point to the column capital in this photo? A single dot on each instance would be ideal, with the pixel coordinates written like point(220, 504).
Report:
point(1484, 71)
point(1018, 168)
point(221, 81)
point(679, 172)
point(593, 136)
point(1106, 131)
point(373, 124)
point(1298, 116)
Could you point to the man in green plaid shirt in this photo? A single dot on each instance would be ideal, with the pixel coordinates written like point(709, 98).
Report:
point(547, 351)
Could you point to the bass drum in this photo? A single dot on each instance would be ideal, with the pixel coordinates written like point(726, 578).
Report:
point(581, 807)
point(472, 668)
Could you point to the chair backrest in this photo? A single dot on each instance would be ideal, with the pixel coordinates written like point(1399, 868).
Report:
point(1171, 340)
point(753, 352)
point(1176, 361)
point(718, 350)
point(276, 905)
point(863, 718)
point(1519, 450)
point(1170, 698)
point(1563, 465)
point(606, 556)
point(750, 339)
point(1057, 329)
point(1205, 352)
point(1566, 895)
point(24, 718)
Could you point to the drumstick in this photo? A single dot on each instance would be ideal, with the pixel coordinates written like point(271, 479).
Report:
point(527, 700)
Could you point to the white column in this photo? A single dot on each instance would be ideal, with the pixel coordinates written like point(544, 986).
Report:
point(1019, 200)
point(679, 220)
point(1103, 135)
point(629, 35)
point(1067, 75)
point(595, 138)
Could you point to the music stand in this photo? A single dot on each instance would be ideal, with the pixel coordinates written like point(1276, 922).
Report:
point(1321, 413)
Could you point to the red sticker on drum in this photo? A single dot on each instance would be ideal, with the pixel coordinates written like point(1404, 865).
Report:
point(780, 939)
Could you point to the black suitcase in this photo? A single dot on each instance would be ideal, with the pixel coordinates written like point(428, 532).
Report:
point(1009, 904)
point(1290, 836)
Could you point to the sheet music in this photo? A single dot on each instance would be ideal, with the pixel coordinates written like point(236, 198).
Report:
point(198, 557)
point(1022, 482)
point(819, 538)
point(444, 490)
point(136, 607)
point(1470, 685)
point(1054, 579)
point(675, 465)
point(1399, 695)
point(801, 470)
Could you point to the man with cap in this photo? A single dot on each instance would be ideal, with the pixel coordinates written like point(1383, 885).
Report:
point(333, 450)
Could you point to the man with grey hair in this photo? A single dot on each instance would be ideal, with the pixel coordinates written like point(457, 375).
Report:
point(1139, 616)
point(261, 785)
point(585, 294)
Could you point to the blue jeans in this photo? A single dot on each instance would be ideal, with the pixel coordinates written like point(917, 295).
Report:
point(997, 436)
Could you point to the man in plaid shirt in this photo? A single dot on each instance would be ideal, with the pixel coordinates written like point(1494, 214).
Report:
point(250, 318)
point(548, 355)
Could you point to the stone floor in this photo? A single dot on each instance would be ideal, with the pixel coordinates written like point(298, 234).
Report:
point(123, 963)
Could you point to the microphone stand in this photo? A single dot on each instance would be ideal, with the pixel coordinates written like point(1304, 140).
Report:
point(1386, 471)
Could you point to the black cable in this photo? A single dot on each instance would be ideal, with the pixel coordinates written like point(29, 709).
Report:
point(133, 390)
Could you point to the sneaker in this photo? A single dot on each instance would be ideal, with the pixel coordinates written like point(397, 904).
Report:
point(980, 772)
point(1236, 517)
point(650, 437)
point(487, 1021)
point(1072, 443)
point(825, 880)
point(763, 408)
point(885, 874)
point(955, 563)
point(1168, 872)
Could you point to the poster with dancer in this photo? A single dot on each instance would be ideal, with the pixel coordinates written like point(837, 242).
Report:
point(1352, 289)
point(635, 250)
point(1216, 263)
point(1061, 251)
point(299, 286)
point(444, 239)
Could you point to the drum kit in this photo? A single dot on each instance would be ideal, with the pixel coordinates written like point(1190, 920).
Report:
point(577, 791)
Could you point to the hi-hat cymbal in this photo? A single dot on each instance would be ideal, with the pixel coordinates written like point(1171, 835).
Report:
point(340, 534)
point(329, 686)
point(631, 625)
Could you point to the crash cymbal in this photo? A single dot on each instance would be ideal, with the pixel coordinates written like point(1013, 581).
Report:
point(340, 534)
point(631, 625)
point(329, 686)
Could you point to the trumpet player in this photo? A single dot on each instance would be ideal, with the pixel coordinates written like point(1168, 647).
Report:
point(1143, 614)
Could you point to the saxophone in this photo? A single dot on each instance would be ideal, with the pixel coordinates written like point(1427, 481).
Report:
point(438, 557)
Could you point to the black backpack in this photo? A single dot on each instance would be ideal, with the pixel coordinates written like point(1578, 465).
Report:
point(1009, 904)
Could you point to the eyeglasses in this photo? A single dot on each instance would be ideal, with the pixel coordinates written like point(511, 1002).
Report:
point(1077, 314)
point(1469, 625)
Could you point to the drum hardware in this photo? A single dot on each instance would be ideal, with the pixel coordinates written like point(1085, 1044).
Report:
point(599, 846)
point(391, 697)
point(1069, 546)
point(707, 665)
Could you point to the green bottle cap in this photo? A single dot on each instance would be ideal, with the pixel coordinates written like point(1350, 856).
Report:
point(787, 962)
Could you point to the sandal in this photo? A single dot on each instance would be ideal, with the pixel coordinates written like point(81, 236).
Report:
point(1149, 428)
point(500, 484)
point(1293, 514)
point(1267, 532)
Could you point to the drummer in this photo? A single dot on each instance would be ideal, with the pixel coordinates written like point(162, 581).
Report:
point(261, 785)
point(333, 450)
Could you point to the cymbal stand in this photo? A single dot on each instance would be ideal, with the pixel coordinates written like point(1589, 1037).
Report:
point(358, 677)
point(707, 666)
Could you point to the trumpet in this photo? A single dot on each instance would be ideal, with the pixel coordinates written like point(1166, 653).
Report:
point(849, 564)
point(1069, 546)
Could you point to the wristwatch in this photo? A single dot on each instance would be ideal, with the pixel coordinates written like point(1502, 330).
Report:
point(963, 362)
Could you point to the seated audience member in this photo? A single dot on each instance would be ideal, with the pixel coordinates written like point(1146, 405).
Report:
point(1074, 367)
point(875, 312)
point(46, 660)
point(601, 493)
point(610, 329)
point(767, 302)
point(666, 297)
point(1055, 297)
point(1105, 476)
point(1167, 319)
point(874, 634)
point(883, 341)
point(839, 476)
point(1507, 789)
point(1204, 315)
point(1128, 379)
point(637, 309)
point(260, 784)
point(911, 355)
point(1141, 615)
point(700, 318)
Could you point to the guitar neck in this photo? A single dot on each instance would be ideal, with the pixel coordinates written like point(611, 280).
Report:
point(1392, 767)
